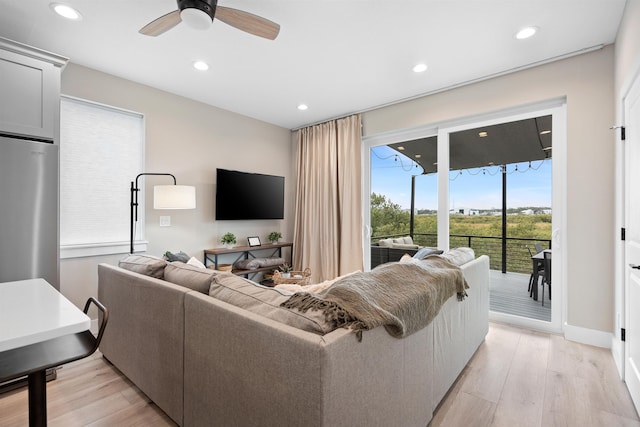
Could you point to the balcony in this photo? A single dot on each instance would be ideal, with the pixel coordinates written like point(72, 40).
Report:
point(510, 270)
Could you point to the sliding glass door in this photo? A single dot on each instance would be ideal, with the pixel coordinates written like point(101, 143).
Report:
point(486, 184)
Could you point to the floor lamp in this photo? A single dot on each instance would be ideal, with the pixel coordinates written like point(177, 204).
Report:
point(164, 197)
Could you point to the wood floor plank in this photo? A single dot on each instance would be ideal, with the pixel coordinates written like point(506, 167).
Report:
point(469, 411)
point(516, 378)
point(490, 365)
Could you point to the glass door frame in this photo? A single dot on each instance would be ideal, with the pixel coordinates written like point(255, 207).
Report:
point(557, 109)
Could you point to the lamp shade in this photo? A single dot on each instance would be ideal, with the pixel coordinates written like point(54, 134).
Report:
point(174, 197)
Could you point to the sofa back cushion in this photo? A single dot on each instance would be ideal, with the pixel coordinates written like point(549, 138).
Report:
point(387, 243)
point(198, 279)
point(266, 301)
point(459, 256)
point(144, 264)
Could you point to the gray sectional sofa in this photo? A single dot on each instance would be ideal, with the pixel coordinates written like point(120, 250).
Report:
point(207, 362)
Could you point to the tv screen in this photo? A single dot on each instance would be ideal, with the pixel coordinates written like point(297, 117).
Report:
point(243, 195)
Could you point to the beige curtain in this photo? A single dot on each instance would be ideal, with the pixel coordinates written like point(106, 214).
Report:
point(328, 222)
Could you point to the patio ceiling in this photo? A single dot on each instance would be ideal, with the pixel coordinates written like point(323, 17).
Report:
point(503, 144)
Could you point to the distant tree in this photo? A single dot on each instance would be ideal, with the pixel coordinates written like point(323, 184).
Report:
point(387, 217)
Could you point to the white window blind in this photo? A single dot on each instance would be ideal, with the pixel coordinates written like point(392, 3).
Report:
point(101, 152)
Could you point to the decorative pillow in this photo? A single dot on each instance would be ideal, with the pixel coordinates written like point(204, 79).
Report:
point(458, 256)
point(406, 240)
point(144, 264)
point(247, 264)
point(385, 242)
point(189, 276)
point(269, 262)
point(252, 264)
point(195, 262)
point(180, 256)
point(426, 251)
point(266, 302)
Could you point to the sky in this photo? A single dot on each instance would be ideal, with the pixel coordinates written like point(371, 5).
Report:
point(472, 189)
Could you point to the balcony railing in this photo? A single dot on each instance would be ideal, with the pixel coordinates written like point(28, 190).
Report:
point(517, 258)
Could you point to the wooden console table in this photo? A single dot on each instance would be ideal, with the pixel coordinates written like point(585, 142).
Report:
point(247, 252)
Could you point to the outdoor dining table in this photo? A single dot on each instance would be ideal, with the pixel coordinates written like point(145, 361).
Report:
point(537, 260)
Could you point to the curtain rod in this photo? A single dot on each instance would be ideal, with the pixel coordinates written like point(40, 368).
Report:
point(458, 85)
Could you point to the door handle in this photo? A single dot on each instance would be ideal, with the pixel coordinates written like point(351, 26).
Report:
point(636, 266)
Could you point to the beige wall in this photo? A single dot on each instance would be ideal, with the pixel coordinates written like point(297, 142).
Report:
point(190, 140)
point(587, 83)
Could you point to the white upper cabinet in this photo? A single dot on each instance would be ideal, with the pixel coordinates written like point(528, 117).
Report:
point(29, 91)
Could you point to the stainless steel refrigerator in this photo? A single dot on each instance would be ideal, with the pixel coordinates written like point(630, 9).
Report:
point(29, 209)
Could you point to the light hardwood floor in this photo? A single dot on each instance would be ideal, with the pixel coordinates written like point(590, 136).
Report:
point(517, 378)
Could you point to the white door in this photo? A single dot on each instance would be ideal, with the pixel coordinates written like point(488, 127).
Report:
point(632, 242)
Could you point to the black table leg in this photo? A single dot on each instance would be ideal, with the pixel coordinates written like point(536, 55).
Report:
point(38, 399)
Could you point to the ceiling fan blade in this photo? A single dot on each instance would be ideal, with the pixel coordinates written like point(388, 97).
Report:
point(248, 22)
point(162, 24)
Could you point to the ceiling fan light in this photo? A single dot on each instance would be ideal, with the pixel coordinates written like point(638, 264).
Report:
point(196, 18)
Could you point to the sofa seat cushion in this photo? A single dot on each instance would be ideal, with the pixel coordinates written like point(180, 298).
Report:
point(189, 276)
point(404, 246)
point(144, 264)
point(244, 293)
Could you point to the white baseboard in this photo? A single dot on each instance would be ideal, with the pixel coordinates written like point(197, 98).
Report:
point(588, 336)
point(617, 352)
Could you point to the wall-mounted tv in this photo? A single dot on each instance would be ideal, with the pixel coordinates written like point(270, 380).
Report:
point(244, 195)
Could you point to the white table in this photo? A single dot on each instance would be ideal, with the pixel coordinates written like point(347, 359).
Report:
point(32, 312)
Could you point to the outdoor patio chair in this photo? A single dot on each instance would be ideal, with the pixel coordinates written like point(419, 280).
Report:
point(538, 273)
point(546, 277)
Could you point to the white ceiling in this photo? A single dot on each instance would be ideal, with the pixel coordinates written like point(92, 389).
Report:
point(336, 56)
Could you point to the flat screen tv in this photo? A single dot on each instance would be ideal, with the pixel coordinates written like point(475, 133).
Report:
point(244, 195)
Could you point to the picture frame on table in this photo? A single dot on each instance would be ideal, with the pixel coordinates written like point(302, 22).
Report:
point(254, 241)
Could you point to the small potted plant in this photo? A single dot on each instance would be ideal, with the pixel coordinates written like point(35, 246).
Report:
point(228, 240)
point(285, 270)
point(274, 236)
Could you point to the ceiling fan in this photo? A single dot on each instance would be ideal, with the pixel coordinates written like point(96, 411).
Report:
point(199, 14)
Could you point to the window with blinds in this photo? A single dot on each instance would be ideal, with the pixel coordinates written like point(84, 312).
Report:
point(101, 152)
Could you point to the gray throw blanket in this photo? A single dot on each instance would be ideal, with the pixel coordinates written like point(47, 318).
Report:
point(404, 297)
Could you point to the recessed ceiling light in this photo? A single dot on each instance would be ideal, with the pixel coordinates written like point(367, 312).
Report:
point(302, 107)
point(65, 11)
point(527, 32)
point(401, 148)
point(420, 68)
point(201, 65)
point(545, 132)
point(482, 134)
point(418, 156)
